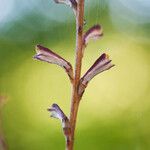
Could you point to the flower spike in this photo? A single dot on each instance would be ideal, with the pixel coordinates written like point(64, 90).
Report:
point(45, 54)
point(56, 112)
point(71, 3)
point(94, 32)
point(103, 63)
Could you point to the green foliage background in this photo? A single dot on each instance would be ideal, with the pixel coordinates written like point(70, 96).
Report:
point(114, 112)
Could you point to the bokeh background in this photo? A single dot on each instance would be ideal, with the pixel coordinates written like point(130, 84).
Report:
point(115, 110)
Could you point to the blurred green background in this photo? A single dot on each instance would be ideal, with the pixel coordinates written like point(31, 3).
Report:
point(114, 113)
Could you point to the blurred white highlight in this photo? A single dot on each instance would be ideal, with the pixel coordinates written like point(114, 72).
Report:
point(134, 10)
point(6, 8)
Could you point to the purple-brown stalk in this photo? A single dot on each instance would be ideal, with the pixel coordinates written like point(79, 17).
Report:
point(78, 83)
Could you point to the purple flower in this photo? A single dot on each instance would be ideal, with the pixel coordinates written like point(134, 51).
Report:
point(94, 32)
point(56, 112)
point(103, 63)
point(45, 54)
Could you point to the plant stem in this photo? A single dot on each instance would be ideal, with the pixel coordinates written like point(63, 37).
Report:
point(78, 63)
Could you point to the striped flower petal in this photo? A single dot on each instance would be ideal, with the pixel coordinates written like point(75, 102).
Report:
point(103, 63)
point(56, 112)
point(45, 54)
point(94, 32)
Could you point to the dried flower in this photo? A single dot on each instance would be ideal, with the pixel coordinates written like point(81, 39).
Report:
point(101, 64)
point(45, 54)
point(94, 32)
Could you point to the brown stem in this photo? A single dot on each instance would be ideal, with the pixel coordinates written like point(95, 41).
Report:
point(78, 62)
